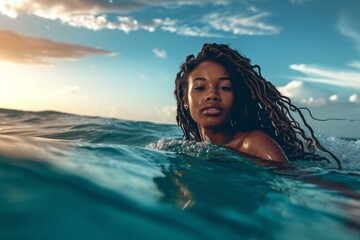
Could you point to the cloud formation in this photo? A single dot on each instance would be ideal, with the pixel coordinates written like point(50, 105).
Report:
point(334, 98)
point(141, 75)
point(355, 64)
point(165, 115)
point(349, 27)
point(299, 2)
point(160, 115)
point(353, 98)
point(53, 9)
point(159, 53)
point(18, 48)
point(336, 77)
point(300, 92)
point(126, 24)
point(241, 24)
point(72, 90)
point(94, 15)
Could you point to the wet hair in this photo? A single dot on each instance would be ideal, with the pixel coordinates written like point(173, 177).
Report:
point(258, 105)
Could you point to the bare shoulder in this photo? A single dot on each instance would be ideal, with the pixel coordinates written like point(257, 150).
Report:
point(261, 145)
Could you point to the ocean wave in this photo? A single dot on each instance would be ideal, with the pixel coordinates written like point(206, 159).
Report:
point(111, 178)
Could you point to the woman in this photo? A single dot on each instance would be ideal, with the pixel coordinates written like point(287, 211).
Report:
point(223, 100)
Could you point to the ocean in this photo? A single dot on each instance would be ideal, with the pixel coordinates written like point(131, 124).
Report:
point(65, 176)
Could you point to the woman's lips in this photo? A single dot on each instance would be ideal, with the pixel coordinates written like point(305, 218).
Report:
point(212, 111)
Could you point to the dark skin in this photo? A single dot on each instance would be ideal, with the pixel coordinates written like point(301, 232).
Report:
point(210, 100)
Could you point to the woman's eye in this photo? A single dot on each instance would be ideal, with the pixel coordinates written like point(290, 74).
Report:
point(225, 88)
point(199, 88)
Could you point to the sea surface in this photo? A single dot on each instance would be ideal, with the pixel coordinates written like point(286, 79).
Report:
point(66, 176)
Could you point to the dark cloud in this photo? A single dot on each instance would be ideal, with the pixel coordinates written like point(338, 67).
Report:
point(18, 48)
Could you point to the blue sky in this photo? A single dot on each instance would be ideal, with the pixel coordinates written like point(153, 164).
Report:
point(119, 58)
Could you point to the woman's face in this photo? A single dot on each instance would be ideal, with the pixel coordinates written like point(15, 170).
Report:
point(210, 95)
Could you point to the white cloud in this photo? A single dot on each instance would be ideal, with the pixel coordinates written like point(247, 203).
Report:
point(224, 24)
point(354, 64)
point(292, 89)
point(164, 115)
point(88, 21)
point(240, 24)
point(141, 75)
point(253, 9)
point(336, 77)
point(92, 14)
point(159, 53)
point(353, 98)
point(72, 90)
point(334, 98)
point(299, 2)
point(123, 23)
point(300, 92)
point(195, 31)
point(169, 111)
point(22, 49)
point(311, 101)
point(161, 115)
point(53, 8)
point(347, 27)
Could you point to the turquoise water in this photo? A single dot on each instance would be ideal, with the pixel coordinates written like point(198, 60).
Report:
point(68, 177)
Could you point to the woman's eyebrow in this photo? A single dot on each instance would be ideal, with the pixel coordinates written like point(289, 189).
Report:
point(225, 78)
point(204, 79)
point(199, 79)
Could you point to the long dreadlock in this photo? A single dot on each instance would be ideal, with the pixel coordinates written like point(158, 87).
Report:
point(258, 105)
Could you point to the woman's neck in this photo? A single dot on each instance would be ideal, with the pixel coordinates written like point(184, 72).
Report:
point(219, 137)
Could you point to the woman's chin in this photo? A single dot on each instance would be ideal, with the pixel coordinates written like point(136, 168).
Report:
point(213, 123)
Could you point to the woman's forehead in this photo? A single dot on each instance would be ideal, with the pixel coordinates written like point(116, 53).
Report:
point(208, 69)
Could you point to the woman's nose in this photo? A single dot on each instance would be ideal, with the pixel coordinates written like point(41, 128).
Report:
point(212, 94)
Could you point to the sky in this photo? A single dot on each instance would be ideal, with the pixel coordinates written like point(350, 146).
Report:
point(119, 58)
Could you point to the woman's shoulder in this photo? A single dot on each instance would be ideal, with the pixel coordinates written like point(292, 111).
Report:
point(258, 143)
point(245, 138)
point(258, 136)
